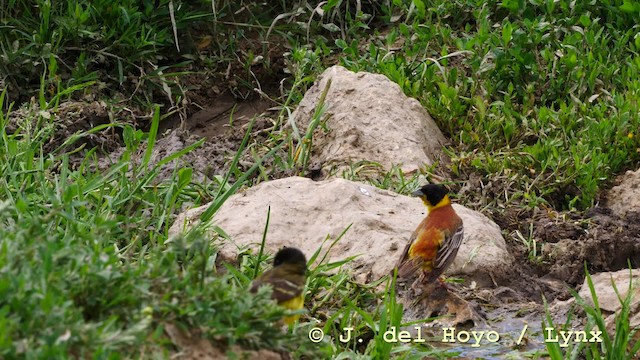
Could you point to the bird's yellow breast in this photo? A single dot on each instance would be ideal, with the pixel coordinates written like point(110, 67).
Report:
point(426, 247)
point(295, 303)
point(431, 232)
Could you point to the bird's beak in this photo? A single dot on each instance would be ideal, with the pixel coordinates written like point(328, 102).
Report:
point(417, 193)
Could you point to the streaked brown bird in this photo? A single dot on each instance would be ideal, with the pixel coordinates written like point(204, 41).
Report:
point(287, 277)
point(435, 243)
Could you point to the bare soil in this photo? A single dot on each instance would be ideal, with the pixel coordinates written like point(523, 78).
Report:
point(606, 243)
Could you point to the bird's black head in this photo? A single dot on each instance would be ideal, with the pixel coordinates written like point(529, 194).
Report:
point(432, 194)
point(290, 255)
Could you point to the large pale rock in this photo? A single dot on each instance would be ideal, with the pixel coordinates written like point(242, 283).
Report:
point(607, 298)
point(304, 213)
point(626, 196)
point(371, 119)
point(483, 249)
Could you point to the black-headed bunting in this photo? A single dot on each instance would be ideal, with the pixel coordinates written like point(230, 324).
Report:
point(435, 243)
point(287, 277)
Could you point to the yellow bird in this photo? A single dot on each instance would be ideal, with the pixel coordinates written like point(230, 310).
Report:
point(287, 277)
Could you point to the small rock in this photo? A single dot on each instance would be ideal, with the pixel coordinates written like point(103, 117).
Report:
point(626, 196)
point(608, 299)
point(370, 119)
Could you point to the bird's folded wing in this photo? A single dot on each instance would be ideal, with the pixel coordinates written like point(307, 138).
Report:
point(409, 267)
point(405, 265)
point(448, 249)
point(283, 289)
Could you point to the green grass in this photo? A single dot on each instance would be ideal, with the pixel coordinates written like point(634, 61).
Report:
point(87, 270)
point(69, 43)
point(541, 93)
point(526, 88)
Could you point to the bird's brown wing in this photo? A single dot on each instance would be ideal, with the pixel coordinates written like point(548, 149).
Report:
point(286, 285)
point(405, 265)
point(448, 250)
